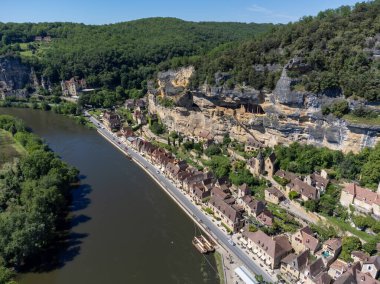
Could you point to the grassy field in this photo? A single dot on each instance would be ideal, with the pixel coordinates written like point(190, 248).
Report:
point(362, 120)
point(39, 49)
point(9, 148)
point(346, 227)
point(219, 266)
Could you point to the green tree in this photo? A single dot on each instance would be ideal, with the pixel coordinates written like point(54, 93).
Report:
point(293, 195)
point(349, 244)
point(220, 166)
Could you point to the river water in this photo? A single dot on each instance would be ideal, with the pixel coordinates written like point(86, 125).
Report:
point(125, 229)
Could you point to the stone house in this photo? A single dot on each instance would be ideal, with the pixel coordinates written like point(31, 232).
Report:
point(252, 206)
point(363, 199)
point(354, 276)
point(359, 256)
point(317, 181)
point(365, 278)
point(330, 250)
point(204, 135)
point(307, 192)
point(127, 132)
point(270, 165)
point(223, 183)
point(372, 266)
point(315, 273)
point(293, 265)
point(252, 145)
point(199, 193)
point(195, 177)
point(337, 268)
point(73, 86)
point(172, 170)
point(274, 195)
point(111, 120)
point(271, 250)
point(181, 177)
point(243, 190)
point(256, 165)
point(227, 211)
point(265, 218)
point(304, 240)
point(289, 176)
point(217, 191)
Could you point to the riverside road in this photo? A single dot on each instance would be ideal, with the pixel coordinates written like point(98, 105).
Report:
point(197, 214)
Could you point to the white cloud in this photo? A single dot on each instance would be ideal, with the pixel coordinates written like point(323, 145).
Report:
point(259, 9)
point(269, 13)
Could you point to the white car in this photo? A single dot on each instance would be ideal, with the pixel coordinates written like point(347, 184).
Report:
point(231, 242)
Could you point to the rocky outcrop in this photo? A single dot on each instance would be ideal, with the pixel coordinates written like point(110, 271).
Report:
point(372, 46)
point(14, 76)
point(283, 93)
point(281, 117)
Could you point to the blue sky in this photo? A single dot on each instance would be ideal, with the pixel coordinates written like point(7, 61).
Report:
point(111, 11)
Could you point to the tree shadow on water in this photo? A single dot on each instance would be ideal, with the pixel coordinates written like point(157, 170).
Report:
point(67, 244)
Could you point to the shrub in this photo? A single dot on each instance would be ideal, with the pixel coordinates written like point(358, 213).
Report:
point(293, 195)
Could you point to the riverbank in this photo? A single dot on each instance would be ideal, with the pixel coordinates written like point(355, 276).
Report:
point(235, 254)
point(124, 228)
point(220, 251)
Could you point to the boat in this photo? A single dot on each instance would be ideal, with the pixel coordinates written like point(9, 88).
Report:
point(199, 245)
point(207, 244)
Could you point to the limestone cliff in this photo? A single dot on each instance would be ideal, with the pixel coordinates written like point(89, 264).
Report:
point(283, 116)
point(14, 76)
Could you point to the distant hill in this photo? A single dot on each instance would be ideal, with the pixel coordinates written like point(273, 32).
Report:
point(338, 50)
point(117, 54)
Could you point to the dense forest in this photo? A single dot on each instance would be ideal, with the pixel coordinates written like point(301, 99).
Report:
point(305, 159)
point(335, 48)
point(34, 195)
point(123, 54)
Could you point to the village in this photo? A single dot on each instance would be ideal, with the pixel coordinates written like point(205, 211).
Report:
point(274, 229)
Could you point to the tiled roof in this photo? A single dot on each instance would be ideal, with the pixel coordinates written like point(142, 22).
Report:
point(364, 194)
point(360, 254)
point(334, 244)
point(298, 262)
point(339, 265)
point(274, 247)
point(226, 209)
point(256, 206)
point(323, 278)
point(363, 278)
point(316, 267)
point(286, 175)
point(265, 218)
point(303, 188)
point(318, 180)
point(276, 192)
point(308, 239)
point(375, 260)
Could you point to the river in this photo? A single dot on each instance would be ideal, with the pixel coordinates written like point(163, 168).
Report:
point(125, 229)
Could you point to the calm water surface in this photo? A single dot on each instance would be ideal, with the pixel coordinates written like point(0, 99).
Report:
point(125, 228)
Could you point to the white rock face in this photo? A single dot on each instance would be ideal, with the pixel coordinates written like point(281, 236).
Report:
point(285, 120)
